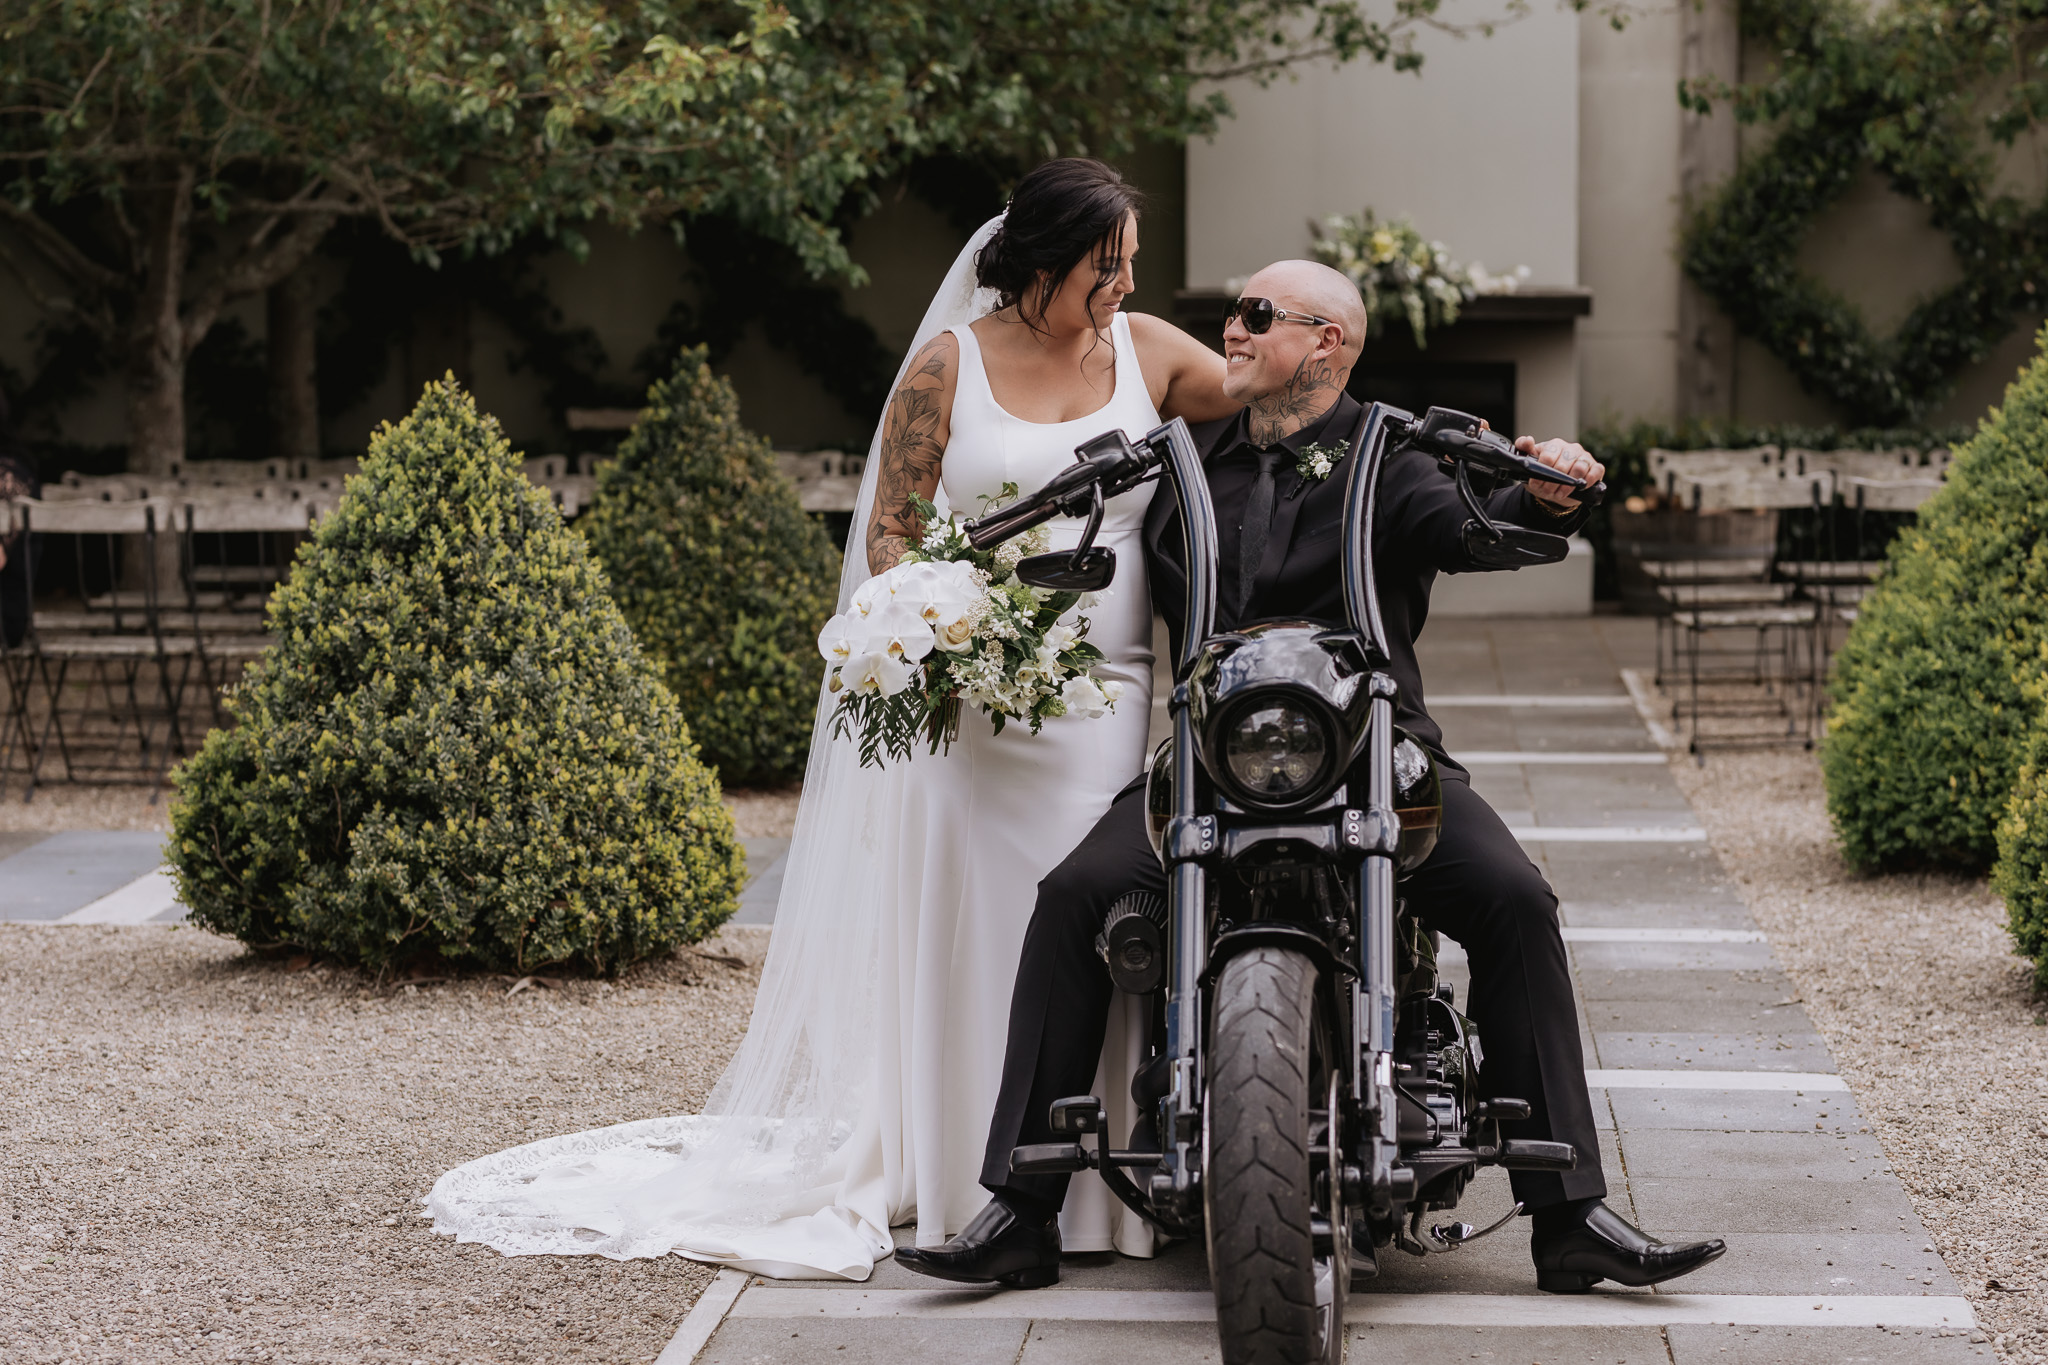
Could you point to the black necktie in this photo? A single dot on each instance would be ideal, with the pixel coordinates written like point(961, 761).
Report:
point(1258, 524)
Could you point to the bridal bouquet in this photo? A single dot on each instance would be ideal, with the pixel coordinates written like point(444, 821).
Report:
point(952, 625)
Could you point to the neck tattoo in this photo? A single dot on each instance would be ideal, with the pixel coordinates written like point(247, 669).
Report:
point(1307, 395)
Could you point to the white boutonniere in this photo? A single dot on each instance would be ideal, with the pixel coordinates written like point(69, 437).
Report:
point(1317, 460)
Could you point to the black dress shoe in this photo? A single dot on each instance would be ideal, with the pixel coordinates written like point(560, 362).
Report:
point(1596, 1244)
point(998, 1247)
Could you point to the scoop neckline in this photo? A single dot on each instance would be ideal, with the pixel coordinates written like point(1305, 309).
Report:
point(1115, 392)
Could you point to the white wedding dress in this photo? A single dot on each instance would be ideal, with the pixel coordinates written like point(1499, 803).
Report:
point(861, 1096)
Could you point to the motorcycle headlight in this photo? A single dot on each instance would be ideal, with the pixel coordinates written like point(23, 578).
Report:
point(1277, 752)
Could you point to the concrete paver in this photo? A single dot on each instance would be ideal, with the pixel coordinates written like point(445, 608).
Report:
point(59, 873)
point(1387, 1344)
point(1821, 1346)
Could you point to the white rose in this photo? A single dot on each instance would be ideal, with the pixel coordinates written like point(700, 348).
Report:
point(956, 637)
point(1084, 698)
point(1061, 637)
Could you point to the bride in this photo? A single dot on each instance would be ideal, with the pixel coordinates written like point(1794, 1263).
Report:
point(859, 1099)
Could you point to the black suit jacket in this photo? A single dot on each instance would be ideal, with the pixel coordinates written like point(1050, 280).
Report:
point(1416, 535)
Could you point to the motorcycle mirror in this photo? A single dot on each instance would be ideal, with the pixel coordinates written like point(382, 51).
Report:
point(1089, 570)
point(1516, 547)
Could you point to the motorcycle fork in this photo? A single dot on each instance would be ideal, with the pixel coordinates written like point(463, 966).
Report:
point(1180, 1128)
point(1373, 994)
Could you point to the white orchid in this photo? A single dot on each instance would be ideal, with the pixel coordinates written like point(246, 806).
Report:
point(941, 593)
point(873, 595)
point(876, 673)
point(1084, 698)
point(897, 631)
point(841, 638)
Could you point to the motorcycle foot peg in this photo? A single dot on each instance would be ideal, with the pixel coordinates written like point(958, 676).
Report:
point(1521, 1154)
point(1077, 1115)
point(1049, 1158)
point(1564, 1281)
point(1502, 1110)
point(1133, 943)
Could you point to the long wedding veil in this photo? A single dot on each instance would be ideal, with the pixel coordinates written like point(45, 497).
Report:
point(760, 1180)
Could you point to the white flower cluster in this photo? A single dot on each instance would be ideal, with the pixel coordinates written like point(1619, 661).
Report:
point(1402, 274)
point(897, 618)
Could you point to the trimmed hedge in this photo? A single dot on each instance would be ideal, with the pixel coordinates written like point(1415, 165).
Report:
point(720, 572)
point(1930, 720)
point(455, 752)
point(2021, 876)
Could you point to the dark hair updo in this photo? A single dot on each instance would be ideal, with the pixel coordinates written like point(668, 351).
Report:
point(1058, 215)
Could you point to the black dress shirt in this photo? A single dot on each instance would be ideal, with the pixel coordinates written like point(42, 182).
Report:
point(1417, 534)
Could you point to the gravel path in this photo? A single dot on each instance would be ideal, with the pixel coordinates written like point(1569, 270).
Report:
point(759, 812)
point(209, 1157)
point(1930, 1017)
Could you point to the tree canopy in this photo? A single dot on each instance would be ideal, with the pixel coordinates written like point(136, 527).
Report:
point(161, 158)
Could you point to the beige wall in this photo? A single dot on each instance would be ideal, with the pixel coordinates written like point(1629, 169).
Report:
point(1481, 151)
point(1628, 216)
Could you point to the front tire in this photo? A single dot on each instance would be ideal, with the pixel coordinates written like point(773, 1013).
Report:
point(1279, 1297)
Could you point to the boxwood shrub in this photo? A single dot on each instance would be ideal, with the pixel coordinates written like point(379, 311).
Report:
point(455, 752)
point(2021, 876)
point(1931, 716)
point(720, 572)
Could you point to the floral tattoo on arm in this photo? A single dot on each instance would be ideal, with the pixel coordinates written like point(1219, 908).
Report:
point(911, 453)
point(1305, 396)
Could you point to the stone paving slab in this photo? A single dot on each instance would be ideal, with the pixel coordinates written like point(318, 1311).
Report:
point(1120, 1343)
point(1391, 1344)
point(1862, 1262)
point(1820, 1346)
point(1712, 1051)
point(778, 1341)
point(63, 872)
point(1641, 1112)
point(1737, 1203)
point(1688, 914)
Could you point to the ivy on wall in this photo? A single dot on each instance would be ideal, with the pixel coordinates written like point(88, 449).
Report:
point(1925, 91)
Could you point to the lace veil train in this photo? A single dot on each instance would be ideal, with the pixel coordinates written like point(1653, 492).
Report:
point(780, 1174)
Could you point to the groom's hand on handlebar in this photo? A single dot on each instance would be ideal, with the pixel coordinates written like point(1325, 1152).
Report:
point(1570, 458)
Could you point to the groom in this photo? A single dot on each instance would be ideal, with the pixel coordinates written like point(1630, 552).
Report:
point(1290, 344)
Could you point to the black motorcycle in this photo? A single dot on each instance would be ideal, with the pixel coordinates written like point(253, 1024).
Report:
point(1312, 1090)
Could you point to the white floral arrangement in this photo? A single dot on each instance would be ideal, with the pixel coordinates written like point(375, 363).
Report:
point(952, 625)
point(1402, 274)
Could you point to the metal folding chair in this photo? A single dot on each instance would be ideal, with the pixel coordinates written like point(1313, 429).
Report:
point(1772, 671)
point(117, 637)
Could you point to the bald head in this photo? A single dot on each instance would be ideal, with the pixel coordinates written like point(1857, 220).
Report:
point(1312, 287)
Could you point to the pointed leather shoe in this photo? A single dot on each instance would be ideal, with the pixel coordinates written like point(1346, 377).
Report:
point(1603, 1246)
point(996, 1248)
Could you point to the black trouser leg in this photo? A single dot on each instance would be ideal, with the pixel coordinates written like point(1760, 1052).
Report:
point(1060, 1007)
point(1480, 888)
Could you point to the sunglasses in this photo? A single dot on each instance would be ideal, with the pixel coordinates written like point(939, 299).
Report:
point(1259, 315)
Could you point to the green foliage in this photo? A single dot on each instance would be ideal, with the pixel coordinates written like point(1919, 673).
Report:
point(1403, 276)
point(1931, 710)
point(455, 751)
point(721, 573)
point(1923, 91)
point(2021, 876)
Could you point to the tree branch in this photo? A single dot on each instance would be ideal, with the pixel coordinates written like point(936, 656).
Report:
point(66, 259)
point(97, 319)
point(253, 269)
